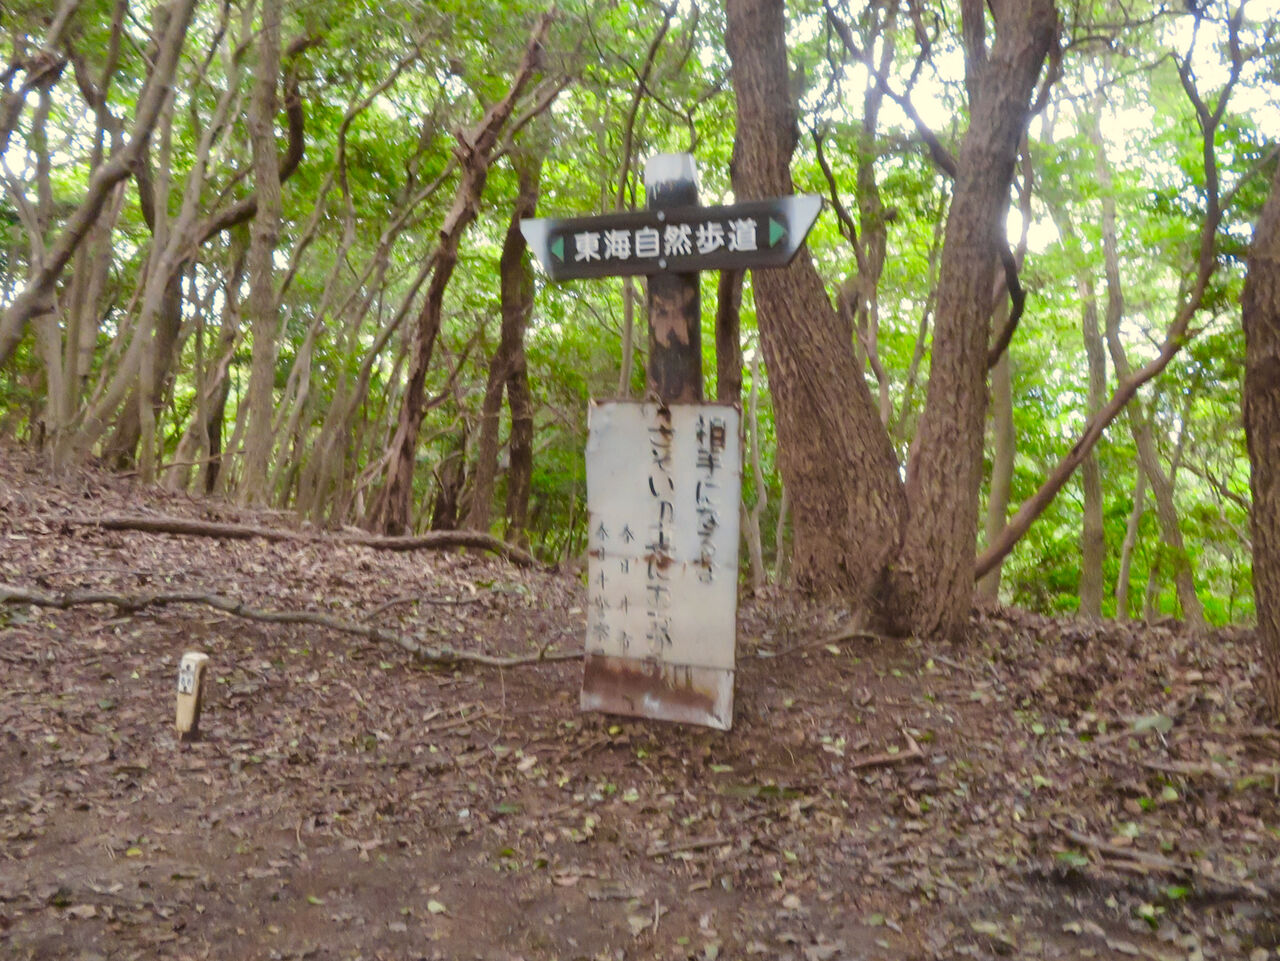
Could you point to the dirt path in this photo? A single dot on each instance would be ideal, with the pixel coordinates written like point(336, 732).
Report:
point(1080, 790)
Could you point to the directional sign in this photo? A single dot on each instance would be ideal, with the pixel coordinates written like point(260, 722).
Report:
point(761, 233)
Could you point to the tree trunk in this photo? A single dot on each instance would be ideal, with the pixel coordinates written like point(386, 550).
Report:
point(944, 475)
point(1093, 544)
point(1261, 312)
point(264, 307)
point(838, 466)
point(516, 281)
point(1002, 455)
point(729, 337)
point(520, 450)
point(121, 448)
point(751, 519)
point(1130, 545)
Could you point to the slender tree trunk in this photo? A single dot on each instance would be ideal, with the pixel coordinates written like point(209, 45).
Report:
point(1093, 544)
point(520, 449)
point(1261, 312)
point(516, 281)
point(264, 308)
point(838, 466)
point(751, 529)
point(1130, 544)
point(729, 337)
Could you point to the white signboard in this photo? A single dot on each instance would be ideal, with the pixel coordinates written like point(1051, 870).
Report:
point(663, 489)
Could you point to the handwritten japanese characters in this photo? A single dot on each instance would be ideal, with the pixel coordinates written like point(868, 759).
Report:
point(663, 486)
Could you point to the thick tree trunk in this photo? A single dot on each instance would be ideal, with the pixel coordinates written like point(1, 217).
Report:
point(839, 468)
point(1261, 311)
point(944, 475)
point(516, 282)
point(264, 308)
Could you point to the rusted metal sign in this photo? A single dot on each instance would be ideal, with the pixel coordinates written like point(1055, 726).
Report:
point(663, 487)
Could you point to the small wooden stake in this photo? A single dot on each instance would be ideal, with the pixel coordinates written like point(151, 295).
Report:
point(191, 673)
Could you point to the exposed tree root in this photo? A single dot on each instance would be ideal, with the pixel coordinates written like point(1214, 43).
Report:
point(190, 527)
point(130, 603)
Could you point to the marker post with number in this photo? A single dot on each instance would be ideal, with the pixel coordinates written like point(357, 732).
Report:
point(191, 674)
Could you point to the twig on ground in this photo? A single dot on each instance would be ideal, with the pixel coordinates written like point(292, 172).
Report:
point(912, 753)
point(131, 603)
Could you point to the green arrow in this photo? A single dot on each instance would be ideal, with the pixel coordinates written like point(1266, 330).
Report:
point(776, 231)
point(557, 248)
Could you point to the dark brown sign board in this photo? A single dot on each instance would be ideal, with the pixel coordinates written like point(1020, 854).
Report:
point(682, 240)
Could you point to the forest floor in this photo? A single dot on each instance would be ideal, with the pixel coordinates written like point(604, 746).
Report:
point(1052, 789)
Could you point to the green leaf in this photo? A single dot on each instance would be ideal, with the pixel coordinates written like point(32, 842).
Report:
point(1073, 858)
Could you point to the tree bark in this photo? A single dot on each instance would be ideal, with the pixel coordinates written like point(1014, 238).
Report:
point(516, 282)
point(1261, 312)
point(264, 308)
point(839, 469)
point(1002, 454)
point(729, 337)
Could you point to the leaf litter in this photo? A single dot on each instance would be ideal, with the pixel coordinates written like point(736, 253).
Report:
point(1053, 789)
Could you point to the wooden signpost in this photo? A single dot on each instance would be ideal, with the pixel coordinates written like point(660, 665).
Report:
point(664, 476)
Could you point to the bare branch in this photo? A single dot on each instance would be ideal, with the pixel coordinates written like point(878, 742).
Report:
point(131, 603)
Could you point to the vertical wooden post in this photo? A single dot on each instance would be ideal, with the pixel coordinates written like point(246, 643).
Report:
point(675, 305)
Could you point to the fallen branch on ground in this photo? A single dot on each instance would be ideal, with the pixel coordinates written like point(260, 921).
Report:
point(131, 603)
point(1157, 862)
point(661, 848)
point(881, 760)
point(190, 527)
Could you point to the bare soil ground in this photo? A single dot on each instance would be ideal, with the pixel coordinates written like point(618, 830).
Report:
point(1053, 789)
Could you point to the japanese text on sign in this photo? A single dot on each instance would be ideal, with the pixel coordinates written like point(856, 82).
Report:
point(662, 566)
